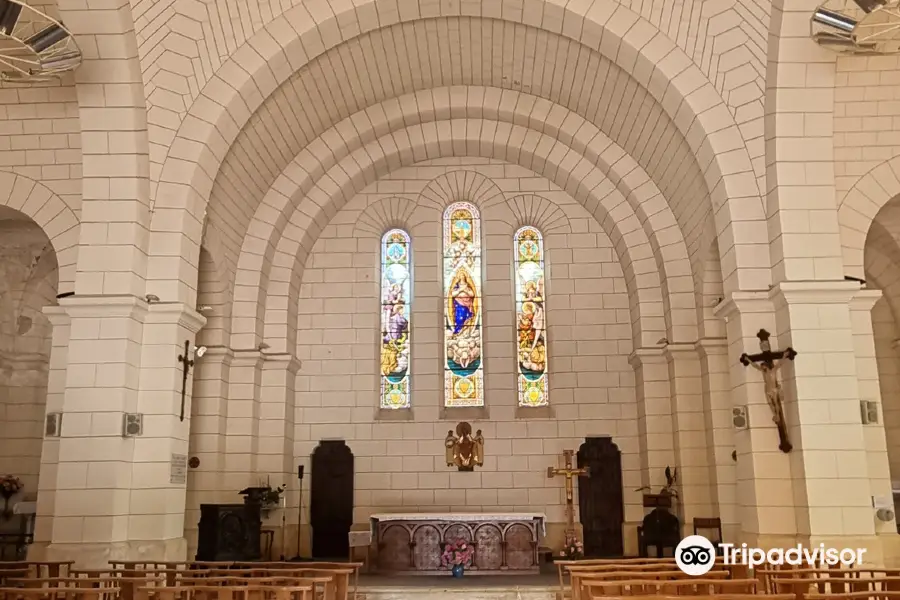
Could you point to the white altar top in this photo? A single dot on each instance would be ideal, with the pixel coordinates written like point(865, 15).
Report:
point(460, 517)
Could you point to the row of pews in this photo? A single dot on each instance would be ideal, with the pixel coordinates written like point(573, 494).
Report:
point(148, 580)
point(658, 579)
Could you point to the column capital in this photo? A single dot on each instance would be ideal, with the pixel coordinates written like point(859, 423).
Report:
point(104, 306)
point(814, 292)
point(712, 346)
point(647, 356)
point(164, 313)
point(743, 303)
point(678, 351)
point(57, 315)
point(865, 299)
point(281, 360)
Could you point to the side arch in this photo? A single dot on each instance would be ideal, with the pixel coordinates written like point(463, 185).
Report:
point(859, 207)
point(52, 215)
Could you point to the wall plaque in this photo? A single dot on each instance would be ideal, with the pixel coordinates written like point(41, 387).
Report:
point(178, 469)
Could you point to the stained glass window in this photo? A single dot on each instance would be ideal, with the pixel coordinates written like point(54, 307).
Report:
point(531, 319)
point(463, 368)
point(395, 298)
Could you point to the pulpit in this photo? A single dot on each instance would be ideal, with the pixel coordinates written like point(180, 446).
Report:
point(229, 532)
point(660, 529)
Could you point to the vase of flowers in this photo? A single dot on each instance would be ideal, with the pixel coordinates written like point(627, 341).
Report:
point(457, 555)
point(10, 485)
point(573, 549)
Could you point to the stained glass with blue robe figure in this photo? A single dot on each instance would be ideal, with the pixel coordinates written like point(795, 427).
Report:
point(395, 317)
point(463, 370)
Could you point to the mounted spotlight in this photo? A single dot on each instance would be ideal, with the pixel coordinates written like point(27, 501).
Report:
point(857, 26)
point(33, 46)
point(199, 351)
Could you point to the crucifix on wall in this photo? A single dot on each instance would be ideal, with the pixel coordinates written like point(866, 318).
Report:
point(569, 472)
point(186, 364)
point(768, 362)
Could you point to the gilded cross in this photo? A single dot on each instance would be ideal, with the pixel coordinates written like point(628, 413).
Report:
point(569, 472)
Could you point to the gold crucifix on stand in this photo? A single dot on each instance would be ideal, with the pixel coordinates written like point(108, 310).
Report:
point(569, 472)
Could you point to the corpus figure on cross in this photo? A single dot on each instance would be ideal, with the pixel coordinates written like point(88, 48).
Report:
point(768, 363)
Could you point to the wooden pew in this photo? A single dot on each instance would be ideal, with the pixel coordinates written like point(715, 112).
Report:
point(770, 575)
point(40, 568)
point(592, 588)
point(325, 584)
point(59, 593)
point(579, 575)
point(242, 592)
point(314, 565)
point(880, 595)
point(836, 585)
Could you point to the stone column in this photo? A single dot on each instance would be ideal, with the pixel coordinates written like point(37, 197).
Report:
point(717, 406)
point(820, 492)
point(56, 391)
point(874, 431)
point(765, 502)
point(242, 421)
point(114, 494)
point(208, 439)
point(276, 446)
point(689, 428)
point(651, 371)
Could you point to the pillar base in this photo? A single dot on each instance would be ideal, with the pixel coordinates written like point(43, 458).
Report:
point(98, 555)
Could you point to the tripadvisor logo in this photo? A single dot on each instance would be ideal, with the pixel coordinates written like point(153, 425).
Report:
point(695, 555)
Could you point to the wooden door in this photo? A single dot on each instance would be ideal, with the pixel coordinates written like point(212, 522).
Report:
point(600, 498)
point(331, 499)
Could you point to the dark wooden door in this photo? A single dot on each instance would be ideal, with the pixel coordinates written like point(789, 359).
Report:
point(331, 499)
point(600, 497)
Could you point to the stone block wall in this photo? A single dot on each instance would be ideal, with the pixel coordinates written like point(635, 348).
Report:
point(400, 464)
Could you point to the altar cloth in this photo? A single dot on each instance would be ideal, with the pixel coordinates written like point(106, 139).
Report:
point(420, 516)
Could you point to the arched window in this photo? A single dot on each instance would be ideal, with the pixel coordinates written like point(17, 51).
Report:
point(463, 365)
point(395, 315)
point(531, 318)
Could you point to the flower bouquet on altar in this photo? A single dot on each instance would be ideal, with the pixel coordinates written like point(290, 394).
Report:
point(573, 549)
point(457, 555)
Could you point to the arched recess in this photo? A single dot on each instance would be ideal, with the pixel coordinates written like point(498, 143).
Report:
point(35, 225)
point(578, 164)
point(410, 145)
point(677, 95)
point(859, 207)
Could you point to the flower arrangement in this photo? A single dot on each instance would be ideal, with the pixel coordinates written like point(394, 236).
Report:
point(272, 496)
point(457, 553)
point(573, 549)
point(10, 485)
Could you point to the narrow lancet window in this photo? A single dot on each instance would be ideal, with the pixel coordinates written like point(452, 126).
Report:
point(396, 285)
point(531, 318)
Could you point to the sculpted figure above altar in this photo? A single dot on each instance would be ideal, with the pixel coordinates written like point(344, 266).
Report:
point(463, 450)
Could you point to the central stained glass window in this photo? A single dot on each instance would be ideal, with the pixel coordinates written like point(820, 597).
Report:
point(463, 364)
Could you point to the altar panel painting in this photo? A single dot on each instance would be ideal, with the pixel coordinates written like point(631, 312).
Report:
point(531, 319)
point(395, 314)
point(463, 369)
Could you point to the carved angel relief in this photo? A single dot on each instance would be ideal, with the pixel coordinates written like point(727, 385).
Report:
point(463, 450)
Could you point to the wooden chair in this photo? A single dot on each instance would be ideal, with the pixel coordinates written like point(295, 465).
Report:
point(705, 526)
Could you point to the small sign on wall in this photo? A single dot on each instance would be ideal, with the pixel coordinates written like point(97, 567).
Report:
point(178, 469)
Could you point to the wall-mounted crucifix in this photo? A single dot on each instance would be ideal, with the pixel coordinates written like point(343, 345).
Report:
point(186, 364)
point(768, 362)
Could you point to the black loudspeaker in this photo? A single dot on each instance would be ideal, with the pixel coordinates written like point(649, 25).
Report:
point(300, 472)
point(229, 532)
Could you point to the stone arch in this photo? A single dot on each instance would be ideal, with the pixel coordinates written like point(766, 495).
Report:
point(537, 211)
point(595, 192)
point(657, 64)
point(51, 214)
point(463, 185)
point(859, 208)
point(570, 165)
point(395, 212)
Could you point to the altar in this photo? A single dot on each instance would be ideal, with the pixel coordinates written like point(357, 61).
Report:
point(412, 543)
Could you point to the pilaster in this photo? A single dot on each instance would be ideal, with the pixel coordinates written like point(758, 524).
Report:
point(652, 389)
point(242, 420)
point(689, 428)
point(114, 495)
point(717, 407)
